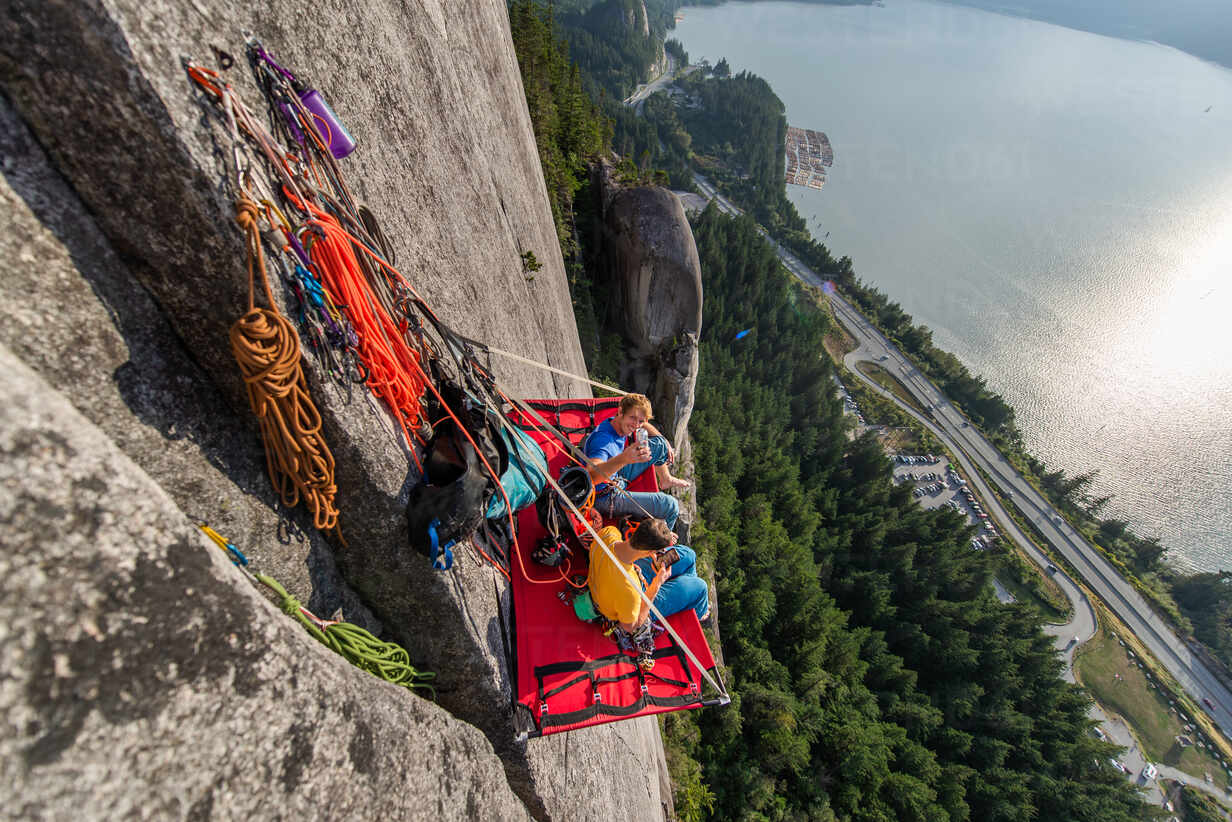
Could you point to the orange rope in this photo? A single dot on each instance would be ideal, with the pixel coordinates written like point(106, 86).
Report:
point(267, 349)
point(394, 373)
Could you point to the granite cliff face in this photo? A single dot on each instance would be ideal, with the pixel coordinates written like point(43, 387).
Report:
point(126, 273)
point(145, 678)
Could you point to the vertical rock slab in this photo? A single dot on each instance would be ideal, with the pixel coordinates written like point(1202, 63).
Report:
point(78, 317)
point(142, 676)
point(139, 273)
point(654, 277)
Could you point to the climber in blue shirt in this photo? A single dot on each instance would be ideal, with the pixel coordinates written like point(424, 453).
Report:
point(617, 458)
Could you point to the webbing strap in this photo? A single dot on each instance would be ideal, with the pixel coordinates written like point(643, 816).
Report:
point(551, 720)
point(589, 406)
point(525, 361)
point(580, 665)
point(567, 429)
point(569, 448)
point(588, 667)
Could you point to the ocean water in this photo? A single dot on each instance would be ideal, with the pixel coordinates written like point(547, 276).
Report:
point(1055, 205)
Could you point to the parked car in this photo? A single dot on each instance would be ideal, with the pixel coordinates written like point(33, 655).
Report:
point(1207, 703)
point(1150, 771)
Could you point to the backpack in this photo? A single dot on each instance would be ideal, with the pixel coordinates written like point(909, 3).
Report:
point(523, 481)
point(448, 504)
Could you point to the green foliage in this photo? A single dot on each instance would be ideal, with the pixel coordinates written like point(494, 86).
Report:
point(611, 45)
point(569, 129)
point(1199, 807)
point(1206, 600)
point(529, 261)
point(676, 49)
point(877, 677)
point(738, 128)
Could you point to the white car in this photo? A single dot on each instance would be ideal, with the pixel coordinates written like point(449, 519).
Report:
point(1150, 771)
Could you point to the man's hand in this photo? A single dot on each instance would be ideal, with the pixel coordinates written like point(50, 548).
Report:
point(662, 572)
point(635, 452)
point(594, 518)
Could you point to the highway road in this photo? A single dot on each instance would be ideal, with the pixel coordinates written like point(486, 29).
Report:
point(1082, 624)
point(948, 423)
point(638, 98)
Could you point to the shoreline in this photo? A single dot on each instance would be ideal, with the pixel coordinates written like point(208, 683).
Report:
point(1112, 589)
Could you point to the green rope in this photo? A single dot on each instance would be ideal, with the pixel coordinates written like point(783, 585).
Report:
point(385, 660)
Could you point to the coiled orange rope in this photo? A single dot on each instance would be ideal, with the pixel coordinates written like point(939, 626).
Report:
point(394, 371)
point(266, 347)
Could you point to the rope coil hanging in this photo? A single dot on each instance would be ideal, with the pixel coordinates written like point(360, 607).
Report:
point(266, 346)
point(384, 660)
point(394, 372)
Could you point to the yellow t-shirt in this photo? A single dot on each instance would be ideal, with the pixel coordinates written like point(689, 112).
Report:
point(612, 594)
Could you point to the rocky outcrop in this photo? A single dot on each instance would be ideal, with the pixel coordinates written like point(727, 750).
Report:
point(623, 17)
point(653, 275)
point(144, 677)
point(129, 274)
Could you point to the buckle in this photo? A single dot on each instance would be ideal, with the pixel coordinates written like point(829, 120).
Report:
point(597, 699)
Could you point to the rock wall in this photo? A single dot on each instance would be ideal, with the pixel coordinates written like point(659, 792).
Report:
point(129, 273)
point(653, 275)
point(145, 678)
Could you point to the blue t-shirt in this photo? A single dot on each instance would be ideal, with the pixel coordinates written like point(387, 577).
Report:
point(604, 443)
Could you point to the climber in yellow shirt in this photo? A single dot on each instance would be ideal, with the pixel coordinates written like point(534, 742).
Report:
point(673, 587)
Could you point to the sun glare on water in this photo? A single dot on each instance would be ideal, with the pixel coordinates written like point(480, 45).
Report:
point(1187, 331)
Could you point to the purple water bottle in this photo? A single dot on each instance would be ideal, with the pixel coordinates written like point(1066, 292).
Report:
point(335, 135)
point(326, 122)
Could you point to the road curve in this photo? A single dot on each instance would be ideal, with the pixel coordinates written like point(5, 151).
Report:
point(638, 98)
point(1104, 580)
point(952, 428)
point(1082, 623)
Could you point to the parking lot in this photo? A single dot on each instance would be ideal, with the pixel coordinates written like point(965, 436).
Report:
point(936, 484)
point(850, 406)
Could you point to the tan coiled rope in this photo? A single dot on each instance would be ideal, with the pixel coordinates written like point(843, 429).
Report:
point(267, 349)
